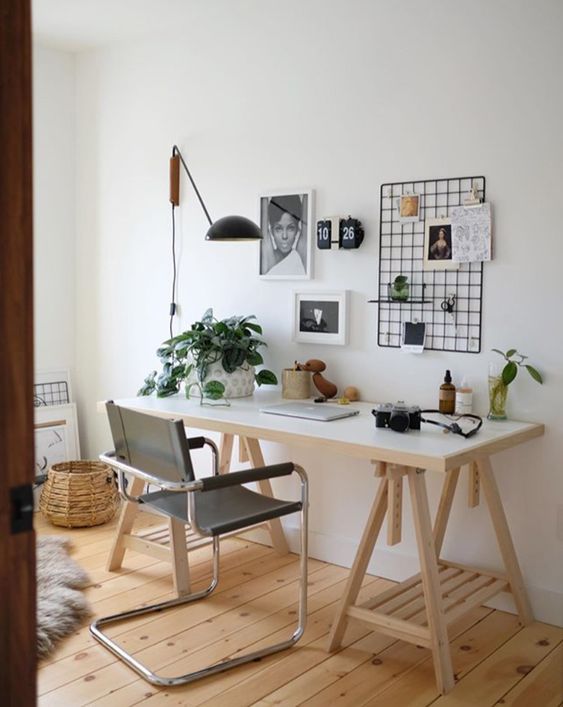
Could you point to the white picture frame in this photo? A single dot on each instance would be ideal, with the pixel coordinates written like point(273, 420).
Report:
point(289, 255)
point(56, 436)
point(320, 317)
point(408, 208)
point(436, 257)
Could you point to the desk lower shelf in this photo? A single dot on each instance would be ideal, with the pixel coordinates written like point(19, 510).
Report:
point(400, 611)
point(155, 541)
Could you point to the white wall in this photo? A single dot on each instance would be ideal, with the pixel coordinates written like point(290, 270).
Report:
point(54, 233)
point(340, 97)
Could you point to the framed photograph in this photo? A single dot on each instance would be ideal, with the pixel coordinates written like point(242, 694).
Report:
point(320, 317)
point(56, 436)
point(438, 245)
point(286, 220)
point(408, 208)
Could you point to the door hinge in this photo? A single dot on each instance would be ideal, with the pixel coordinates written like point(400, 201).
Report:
point(21, 509)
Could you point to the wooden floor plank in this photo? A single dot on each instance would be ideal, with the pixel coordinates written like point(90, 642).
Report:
point(240, 557)
point(496, 661)
point(541, 686)
point(237, 582)
point(281, 622)
point(275, 669)
point(417, 687)
point(501, 671)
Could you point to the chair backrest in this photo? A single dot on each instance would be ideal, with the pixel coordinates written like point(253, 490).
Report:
point(152, 444)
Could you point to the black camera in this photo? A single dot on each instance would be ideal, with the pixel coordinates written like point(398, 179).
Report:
point(398, 417)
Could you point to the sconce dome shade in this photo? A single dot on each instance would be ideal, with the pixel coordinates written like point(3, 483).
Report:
point(233, 228)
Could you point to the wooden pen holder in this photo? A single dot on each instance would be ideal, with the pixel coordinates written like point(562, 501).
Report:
point(296, 385)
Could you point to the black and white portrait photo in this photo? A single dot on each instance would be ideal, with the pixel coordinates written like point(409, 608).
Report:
point(285, 221)
point(320, 317)
point(438, 245)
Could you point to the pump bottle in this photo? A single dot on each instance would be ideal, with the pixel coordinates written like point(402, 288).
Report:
point(464, 398)
point(446, 401)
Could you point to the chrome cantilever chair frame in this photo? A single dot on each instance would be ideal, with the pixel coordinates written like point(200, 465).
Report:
point(189, 487)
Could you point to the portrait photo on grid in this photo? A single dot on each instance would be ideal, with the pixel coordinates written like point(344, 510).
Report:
point(438, 245)
point(285, 221)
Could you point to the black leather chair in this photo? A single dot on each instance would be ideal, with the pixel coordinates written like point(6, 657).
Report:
point(156, 450)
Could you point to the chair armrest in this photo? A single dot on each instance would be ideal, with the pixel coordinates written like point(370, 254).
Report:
point(122, 467)
point(236, 478)
point(195, 442)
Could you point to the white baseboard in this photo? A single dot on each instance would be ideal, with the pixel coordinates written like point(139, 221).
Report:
point(547, 605)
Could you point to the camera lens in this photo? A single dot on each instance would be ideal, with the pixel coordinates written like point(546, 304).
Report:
point(399, 421)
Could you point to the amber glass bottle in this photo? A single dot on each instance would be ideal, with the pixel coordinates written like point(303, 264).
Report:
point(446, 403)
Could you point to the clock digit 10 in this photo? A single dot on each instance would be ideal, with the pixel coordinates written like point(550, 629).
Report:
point(324, 234)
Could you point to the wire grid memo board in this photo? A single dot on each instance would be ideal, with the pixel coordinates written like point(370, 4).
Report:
point(401, 252)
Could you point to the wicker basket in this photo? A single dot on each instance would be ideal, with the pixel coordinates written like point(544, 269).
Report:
point(79, 494)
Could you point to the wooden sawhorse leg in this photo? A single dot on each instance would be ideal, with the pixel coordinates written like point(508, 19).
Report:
point(436, 634)
point(440, 645)
point(126, 520)
point(396, 612)
point(361, 561)
point(506, 547)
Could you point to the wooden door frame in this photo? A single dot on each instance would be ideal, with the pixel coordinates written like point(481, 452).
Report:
point(17, 551)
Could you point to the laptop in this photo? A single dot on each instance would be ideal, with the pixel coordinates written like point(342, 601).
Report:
point(311, 411)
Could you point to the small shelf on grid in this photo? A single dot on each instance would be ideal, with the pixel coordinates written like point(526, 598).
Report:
point(399, 301)
point(402, 607)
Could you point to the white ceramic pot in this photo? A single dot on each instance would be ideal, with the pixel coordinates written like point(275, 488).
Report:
point(238, 384)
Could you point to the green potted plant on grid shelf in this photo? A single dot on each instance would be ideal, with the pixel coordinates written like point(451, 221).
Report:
point(399, 289)
point(215, 358)
point(501, 377)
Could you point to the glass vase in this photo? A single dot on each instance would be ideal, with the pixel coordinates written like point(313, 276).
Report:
point(398, 293)
point(498, 392)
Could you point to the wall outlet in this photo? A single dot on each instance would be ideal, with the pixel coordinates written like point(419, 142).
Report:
point(559, 522)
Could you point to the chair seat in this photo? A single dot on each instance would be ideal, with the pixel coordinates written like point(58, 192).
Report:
point(222, 510)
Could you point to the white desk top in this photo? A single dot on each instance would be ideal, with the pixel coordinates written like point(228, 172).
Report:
point(430, 448)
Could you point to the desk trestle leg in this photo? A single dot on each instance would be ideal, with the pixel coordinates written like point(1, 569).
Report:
point(513, 572)
point(128, 512)
point(430, 582)
point(365, 550)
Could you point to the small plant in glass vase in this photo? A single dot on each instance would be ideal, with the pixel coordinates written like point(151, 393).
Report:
point(501, 378)
point(216, 358)
point(399, 289)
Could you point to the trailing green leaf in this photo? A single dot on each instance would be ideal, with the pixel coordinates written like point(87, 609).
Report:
point(265, 377)
point(509, 372)
point(536, 375)
point(149, 385)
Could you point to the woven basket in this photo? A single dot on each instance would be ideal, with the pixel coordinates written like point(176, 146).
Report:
point(79, 494)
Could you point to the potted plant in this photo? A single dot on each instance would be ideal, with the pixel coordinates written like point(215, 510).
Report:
point(216, 357)
point(399, 289)
point(499, 380)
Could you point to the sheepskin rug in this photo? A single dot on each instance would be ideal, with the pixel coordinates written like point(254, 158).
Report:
point(61, 606)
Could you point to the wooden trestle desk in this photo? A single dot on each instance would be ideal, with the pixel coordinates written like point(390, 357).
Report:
point(419, 609)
